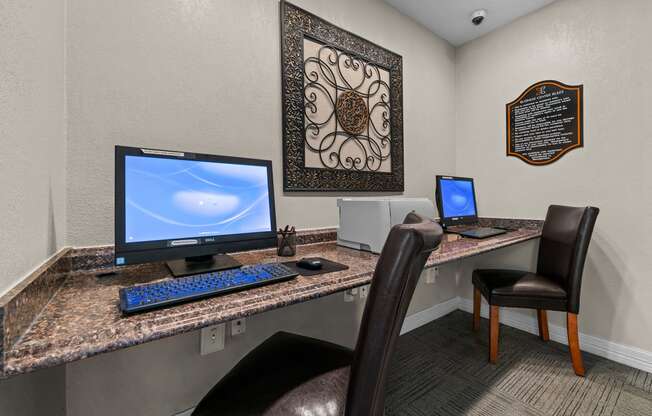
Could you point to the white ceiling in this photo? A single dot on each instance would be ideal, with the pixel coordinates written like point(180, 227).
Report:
point(451, 19)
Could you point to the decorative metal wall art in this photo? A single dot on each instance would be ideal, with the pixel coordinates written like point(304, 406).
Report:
point(342, 108)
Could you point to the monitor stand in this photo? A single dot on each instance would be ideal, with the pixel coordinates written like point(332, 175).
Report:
point(202, 264)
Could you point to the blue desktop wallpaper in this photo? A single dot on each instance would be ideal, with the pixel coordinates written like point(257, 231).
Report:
point(457, 198)
point(172, 199)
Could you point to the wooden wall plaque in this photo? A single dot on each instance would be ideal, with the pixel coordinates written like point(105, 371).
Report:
point(545, 122)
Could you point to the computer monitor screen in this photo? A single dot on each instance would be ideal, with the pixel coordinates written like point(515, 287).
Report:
point(172, 205)
point(172, 199)
point(456, 199)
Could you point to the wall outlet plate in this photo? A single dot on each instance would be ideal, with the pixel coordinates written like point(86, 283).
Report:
point(349, 295)
point(364, 291)
point(431, 275)
point(212, 339)
point(238, 326)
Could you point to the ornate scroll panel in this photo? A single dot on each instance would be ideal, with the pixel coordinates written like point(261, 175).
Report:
point(342, 103)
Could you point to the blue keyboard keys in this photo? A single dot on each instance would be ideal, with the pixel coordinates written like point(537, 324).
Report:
point(171, 292)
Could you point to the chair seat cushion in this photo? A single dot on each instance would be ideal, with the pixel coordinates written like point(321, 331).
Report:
point(321, 395)
point(520, 289)
point(287, 371)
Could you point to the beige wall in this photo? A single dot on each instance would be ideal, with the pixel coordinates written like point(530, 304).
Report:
point(34, 394)
point(205, 76)
point(604, 45)
point(195, 75)
point(173, 74)
point(32, 169)
point(165, 377)
point(32, 135)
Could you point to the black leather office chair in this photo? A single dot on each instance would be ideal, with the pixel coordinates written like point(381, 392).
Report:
point(555, 285)
point(292, 375)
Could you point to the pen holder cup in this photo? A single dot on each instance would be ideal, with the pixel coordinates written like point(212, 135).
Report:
point(286, 244)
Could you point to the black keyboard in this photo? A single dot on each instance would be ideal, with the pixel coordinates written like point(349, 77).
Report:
point(184, 289)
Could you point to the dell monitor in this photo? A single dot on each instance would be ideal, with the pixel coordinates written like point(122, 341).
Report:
point(456, 200)
point(190, 208)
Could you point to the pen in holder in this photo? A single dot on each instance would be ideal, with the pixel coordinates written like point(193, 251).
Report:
point(286, 240)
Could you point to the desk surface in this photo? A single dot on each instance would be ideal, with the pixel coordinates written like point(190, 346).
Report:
point(82, 318)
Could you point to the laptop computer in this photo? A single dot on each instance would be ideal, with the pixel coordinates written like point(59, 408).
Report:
point(457, 206)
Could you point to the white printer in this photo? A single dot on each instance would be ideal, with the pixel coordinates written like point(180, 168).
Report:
point(365, 222)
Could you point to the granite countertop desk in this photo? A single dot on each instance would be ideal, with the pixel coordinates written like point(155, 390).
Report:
point(63, 312)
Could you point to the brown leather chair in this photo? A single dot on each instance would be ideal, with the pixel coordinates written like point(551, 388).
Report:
point(292, 375)
point(555, 285)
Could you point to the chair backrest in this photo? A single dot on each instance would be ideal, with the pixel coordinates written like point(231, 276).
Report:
point(400, 264)
point(564, 244)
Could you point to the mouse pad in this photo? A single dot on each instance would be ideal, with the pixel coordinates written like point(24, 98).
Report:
point(327, 267)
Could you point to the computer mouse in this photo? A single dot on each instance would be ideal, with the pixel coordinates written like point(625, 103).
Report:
point(310, 264)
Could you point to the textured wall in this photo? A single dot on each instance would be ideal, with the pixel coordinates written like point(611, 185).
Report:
point(32, 135)
point(204, 76)
point(35, 394)
point(605, 46)
point(32, 169)
point(165, 377)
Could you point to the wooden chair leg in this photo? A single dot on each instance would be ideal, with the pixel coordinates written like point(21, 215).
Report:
point(574, 344)
point(542, 317)
point(494, 323)
point(476, 309)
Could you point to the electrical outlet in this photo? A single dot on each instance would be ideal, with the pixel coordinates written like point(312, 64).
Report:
point(431, 275)
point(349, 295)
point(364, 291)
point(212, 339)
point(238, 326)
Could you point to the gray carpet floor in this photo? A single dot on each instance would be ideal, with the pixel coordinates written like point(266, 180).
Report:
point(441, 369)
